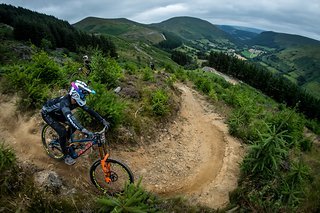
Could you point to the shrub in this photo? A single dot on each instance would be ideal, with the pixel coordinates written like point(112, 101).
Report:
point(71, 69)
point(45, 69)
point(133, 199)
point(33, 80)
point(305, 144)
point(105, 70)
point(159, 102)
point(131, 68)
point(181, 74)
point(7, 158)
point(147, 74)
point(213, 95)
point(266, 154)
point(289, 121)
point(33, 95)
point(171, 80)
point(8, 178)
point(106, 104)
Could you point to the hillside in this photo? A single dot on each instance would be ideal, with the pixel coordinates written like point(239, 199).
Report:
point(190, 28)
point(295, 57)
point(281, 40)
point(121, 27)
point(187, 132)
point(241, 34)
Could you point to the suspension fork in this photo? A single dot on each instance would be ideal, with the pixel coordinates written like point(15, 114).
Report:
point(105, 166)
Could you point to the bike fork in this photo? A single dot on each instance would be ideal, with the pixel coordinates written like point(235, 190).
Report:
point(106, 168)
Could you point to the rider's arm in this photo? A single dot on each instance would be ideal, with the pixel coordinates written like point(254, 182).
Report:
point(70, 117)
point(93, 113)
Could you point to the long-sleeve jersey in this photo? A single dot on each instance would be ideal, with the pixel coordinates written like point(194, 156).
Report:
point(60, 109)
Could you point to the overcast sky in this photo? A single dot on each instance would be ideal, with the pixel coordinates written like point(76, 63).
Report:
point(300, 17)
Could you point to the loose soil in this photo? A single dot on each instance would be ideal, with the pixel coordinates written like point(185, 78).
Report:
point(194, 157)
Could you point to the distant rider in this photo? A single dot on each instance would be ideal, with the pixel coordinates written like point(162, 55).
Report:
point(86, 69)
point(58, 110)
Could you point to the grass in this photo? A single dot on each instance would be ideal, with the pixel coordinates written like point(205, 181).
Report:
point(312, 193)
point(314, 88)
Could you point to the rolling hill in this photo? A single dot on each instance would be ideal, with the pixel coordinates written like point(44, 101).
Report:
point(293, 56)
point(122, 28)
point(189, 28)
point(240, 33)
point(281, 40)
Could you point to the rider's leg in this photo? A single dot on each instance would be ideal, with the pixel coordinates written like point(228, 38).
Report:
point(70, 131)
point(60, 129)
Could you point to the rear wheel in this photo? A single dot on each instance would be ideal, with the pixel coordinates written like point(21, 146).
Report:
point(120, 175)
point(50, 142)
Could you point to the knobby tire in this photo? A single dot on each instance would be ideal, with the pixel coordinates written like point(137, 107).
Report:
point(47, 135)
point(121, 175)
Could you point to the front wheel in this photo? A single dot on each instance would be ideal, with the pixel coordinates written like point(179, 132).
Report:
point(120, 175)
point(50, 142)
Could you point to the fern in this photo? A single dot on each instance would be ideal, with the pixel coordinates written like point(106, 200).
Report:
point(134, 199)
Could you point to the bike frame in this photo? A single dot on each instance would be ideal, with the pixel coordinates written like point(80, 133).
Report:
point(102, 151)
point(88, 145)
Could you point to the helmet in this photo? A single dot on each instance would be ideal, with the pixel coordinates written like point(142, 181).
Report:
point(78, 92)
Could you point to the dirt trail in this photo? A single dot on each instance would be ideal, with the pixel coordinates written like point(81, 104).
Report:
point(194, 157)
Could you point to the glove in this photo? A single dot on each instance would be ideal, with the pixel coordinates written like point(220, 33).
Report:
point(88, 133)
point(106, 123)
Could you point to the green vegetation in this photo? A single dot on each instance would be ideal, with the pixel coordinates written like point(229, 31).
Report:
point(274, 176)
point(274, 86)
point(133, 199)
point(47, 31)
point(122, 28)
point(279, 172)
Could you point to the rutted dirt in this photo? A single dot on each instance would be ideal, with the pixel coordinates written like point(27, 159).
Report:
point(194, 157)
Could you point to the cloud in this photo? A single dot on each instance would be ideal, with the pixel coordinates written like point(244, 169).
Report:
point(288, 16)
point(160, 13)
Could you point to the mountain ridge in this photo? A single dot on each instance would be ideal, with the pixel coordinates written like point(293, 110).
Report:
point(293, 56)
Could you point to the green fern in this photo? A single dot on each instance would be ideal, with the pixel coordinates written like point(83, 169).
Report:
point(134, 199)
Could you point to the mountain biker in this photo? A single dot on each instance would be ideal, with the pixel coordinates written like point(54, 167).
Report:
point(86, 69)
point(58, 110)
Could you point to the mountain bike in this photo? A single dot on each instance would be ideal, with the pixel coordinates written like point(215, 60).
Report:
point(107, 174)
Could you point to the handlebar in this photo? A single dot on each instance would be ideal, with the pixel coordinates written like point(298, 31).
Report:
point(105, 128)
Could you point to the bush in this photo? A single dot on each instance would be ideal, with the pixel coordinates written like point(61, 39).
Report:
point(305, 144)
point(159, 102)
point(288, 120)
point(106, 104)
point(133, 199)
point(8, 178)
point(45, 69)
point(131, 68)
point(105, 70)
point(266, 154)
point(147, 75)
point(7, 158)
point(33, 80)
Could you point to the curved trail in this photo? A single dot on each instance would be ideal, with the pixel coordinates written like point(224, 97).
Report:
point(194, 157)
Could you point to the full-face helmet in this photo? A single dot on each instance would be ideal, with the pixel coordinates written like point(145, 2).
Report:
point(78, 91)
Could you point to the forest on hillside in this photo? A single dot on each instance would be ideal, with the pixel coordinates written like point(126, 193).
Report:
point(50, 32)
point(275, 86)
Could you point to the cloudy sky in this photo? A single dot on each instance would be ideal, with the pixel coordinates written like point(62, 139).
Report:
point(300, 17)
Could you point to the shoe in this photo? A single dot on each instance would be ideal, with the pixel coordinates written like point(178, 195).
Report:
point(69, 160)
point(72, 152)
